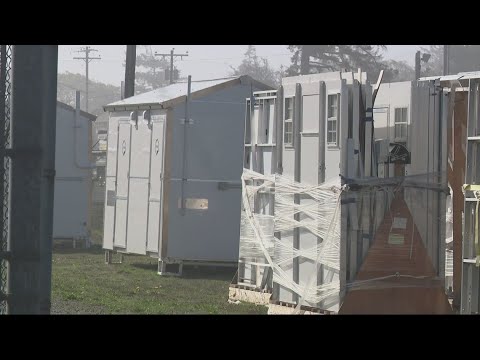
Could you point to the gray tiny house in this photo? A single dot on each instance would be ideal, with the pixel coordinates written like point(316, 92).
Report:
point(73, 178)
point(173, 175)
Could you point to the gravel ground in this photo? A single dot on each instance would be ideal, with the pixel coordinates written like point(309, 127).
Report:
point(71, 307)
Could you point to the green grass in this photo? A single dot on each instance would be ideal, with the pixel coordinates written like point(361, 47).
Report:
point(97, 236)
point(83, 283)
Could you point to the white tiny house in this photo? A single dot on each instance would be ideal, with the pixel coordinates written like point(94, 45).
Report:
point(173, 172)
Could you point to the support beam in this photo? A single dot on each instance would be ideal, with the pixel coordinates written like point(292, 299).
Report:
point(446, 59)
point(417, 65)
point(34, 101)
point(456, 180)
point(3, 238)
point(297, 143)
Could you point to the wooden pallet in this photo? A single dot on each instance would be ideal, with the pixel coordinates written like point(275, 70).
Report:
point(245, 294)
point(284, 308)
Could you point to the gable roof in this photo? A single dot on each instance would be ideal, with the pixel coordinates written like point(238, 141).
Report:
point(175, 93)
point(89, 116)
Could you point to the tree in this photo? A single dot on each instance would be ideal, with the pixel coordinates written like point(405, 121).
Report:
point(397, 71)
point(462, 58)
point(326, 58)
point(99, 94)
point(152, 72)
point(434, 66)
point(258, 68)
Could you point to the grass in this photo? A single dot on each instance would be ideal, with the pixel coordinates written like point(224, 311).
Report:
point(83, 283)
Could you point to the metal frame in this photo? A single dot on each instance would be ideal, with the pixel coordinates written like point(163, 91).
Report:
point(255, 273)
point(470, 294)
point(5, 63)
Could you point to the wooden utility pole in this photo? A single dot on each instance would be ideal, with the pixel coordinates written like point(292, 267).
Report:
point(172, 55)
point(446, 59)
point(130, 71)
point(417, 65)
point(305, 59)
point(87, 58)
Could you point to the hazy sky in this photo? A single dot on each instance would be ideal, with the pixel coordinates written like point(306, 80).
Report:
point(203, 62)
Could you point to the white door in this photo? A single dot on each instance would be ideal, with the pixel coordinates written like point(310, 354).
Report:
point(121, 199)
point(156, 186)
point(138, 189)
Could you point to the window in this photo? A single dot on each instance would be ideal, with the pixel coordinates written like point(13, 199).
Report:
point(332, 120)
point(400, 124)
point(288, 123)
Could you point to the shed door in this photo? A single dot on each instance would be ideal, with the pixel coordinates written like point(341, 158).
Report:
point(123, 165)
point(156, 186)
point(138, 189)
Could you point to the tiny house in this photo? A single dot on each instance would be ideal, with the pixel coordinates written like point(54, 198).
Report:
point(174, 163)
point(73, 179)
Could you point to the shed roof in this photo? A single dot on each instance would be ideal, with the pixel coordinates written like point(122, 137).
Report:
point(175, 93)
point(71, 108)
point(326, 76)
point(459, 76)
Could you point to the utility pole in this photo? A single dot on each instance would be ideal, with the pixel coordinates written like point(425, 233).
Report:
point(417, 65)
point(172, 55)
point(87, 58)
point(305, 60)
point(446, 59)
point(130, 71)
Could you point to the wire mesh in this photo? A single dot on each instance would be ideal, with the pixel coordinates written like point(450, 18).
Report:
point(6, 67)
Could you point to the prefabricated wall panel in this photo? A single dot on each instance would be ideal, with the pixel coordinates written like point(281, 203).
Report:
point(214, 168)
point(260, 155)
point(391, 96)
point(470, 294)
point(308, 127)
point(310, 160)
point(147, 178)
point(426, 140)
point(427, 143)
point(73, 177)
point(427, 116)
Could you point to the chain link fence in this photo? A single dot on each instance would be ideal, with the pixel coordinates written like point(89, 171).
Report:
point(5, 89)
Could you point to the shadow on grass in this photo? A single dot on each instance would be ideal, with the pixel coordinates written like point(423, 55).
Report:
point(209, 272)
point(94, 250)
point(145, 266)
point(192, 272)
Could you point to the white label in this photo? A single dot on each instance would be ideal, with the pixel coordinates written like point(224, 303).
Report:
point(399, 223)
point(194, 204)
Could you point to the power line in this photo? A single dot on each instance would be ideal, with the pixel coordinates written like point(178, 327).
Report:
point(172, 55)
point(197, 60)
point(69, 86)
point(87, 58)
point(240, 57)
